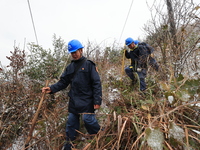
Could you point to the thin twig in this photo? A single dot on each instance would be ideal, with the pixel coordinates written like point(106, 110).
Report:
point(168, 145)
point(174, 110)
point(137, 140)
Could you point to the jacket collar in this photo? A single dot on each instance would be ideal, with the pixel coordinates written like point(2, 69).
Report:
point(76, 61)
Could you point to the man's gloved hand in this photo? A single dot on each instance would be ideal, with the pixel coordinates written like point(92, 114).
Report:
point(139, 69)
point(126, 47)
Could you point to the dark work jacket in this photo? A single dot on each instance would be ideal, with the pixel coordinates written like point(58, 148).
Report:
point(85, 90)
point(138, 57)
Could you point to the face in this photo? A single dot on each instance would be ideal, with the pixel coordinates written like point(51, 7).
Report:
point(77, 54)
point(132, 45)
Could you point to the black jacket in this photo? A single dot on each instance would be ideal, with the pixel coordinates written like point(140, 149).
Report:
point(138, 57)
point(85, 90)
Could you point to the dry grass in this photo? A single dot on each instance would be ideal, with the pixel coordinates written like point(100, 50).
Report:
point(129, 118)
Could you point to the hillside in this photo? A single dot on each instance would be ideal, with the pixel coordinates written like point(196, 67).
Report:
point(165, 116)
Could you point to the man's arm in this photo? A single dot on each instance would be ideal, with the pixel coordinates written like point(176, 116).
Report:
point(127, 54)
point(96, 86)
point(60, 85)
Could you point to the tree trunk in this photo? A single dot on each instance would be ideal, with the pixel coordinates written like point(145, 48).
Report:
point(172, 31)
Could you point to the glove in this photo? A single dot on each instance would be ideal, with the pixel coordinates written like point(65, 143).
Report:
point(126, 47)
point(139, 69)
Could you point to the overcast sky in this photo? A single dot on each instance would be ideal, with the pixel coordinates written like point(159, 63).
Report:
point(94, 20)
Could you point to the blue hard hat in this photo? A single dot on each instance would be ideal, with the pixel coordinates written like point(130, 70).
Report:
point(128, 41)
point(136, 42)
point(74, 45)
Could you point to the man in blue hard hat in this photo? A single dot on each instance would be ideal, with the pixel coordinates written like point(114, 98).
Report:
point(138, 64)
point(85, 93)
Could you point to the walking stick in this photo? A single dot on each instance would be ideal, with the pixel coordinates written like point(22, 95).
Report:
point(123, 62)
point(35, 117)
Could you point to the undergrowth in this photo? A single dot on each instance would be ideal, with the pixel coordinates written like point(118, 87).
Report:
point(165, 116)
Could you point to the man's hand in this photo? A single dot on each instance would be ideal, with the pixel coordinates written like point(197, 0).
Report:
point(96, 106)
point(139, 69)
point(126, 47)
point(46, 90)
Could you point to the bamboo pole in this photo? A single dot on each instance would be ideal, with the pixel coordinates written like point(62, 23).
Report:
point(35, 117)
point(122, 69)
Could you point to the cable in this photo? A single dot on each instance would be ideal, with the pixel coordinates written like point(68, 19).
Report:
point(33, 22)
point(126, 21)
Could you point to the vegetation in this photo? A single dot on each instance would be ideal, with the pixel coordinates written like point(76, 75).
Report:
point(166, 116)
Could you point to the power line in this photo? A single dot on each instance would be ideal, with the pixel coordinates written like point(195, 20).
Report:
point(33, 22)
point(126, 20)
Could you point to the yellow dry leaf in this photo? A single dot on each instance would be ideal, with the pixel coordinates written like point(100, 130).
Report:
point(198, 7)
point(165, 86)
point(149, 116)
point(145, 107)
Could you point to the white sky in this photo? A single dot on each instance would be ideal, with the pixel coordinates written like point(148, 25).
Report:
point(94, 20)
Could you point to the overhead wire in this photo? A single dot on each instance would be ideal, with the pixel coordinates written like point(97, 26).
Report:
point(122, 69)
point(32, 21)
point(126, 20)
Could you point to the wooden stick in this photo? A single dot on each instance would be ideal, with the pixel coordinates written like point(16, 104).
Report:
point(35, 117)
point(123, 57)
point(123, 127)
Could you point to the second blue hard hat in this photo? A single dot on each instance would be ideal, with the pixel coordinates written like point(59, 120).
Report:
point(128, 41)
point(136, 42)
point(74, 45)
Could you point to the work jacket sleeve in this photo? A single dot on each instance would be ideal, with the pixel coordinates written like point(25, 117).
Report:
point(127, 54)
point(62, 83)
point(96, 86)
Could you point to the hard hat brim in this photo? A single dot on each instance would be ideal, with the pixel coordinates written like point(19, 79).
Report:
point(74, 50)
